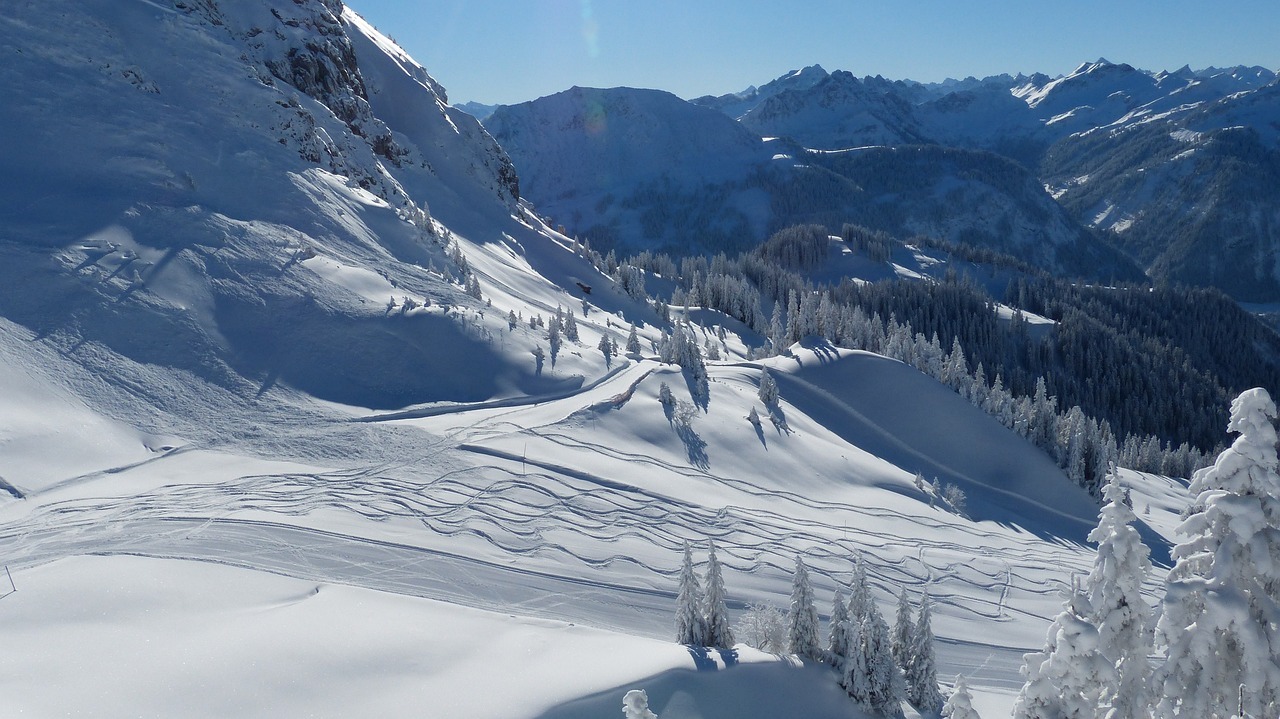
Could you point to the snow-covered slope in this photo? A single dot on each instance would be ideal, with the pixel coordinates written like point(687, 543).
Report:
point(637, 169)
point(737, 104)
point(838, 112)
point(236, 479)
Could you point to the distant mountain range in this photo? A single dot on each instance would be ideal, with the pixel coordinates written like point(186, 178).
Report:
point(1171, 174)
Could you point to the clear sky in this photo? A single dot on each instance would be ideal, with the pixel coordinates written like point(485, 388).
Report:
point(508, 51)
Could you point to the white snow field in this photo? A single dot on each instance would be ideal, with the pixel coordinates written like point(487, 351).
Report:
point(234, 482)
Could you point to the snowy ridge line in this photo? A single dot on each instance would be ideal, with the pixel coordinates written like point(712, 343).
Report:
point(521, 401)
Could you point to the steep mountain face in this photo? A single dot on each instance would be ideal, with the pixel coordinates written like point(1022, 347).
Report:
point(1151, 160)
point(837, 112)
point(973, 198)
point(634, 169)
point(641, 170)
point(736, 105)
point(1193, 206)
point(231, 193)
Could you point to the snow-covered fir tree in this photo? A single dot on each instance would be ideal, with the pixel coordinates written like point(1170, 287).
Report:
point(854, 677)
point(1221, 618)
point(960, 704)
point(606, 347)
point(1114, 589)
point(768, 391)
point(903, 630)
point(553, 341)
point(859, 592)
point(571, 327)
point(691, 625)
point(1065, 679)
point(884, 679)
point(921, 671)
point(633, 341)
point(802, 618)
point(838, 632)
point(715, 611)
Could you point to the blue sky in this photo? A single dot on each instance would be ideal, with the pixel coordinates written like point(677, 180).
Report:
point(507, 51)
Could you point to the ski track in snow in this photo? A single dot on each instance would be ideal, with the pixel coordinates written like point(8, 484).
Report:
point(527, 536)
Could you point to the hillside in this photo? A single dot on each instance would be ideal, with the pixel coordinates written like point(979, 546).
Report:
point(652, 172)
point(285, 427)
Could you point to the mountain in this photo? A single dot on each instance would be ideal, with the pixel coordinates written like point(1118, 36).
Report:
point(839, 111)
point(285, 428)
point(632, 170)
point(737, 104)
point(1123, 150)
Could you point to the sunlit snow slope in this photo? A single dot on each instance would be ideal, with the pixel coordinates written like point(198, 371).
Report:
point(234, 481)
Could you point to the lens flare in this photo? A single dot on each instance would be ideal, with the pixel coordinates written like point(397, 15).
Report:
point(590, 30)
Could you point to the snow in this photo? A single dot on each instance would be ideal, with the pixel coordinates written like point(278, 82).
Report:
point(135, 636)
point(235, 485)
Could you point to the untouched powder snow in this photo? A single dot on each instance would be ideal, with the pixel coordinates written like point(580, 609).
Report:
point(131, 636)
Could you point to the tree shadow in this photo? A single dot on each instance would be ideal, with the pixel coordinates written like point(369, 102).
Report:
point(779, 419)
point(710, 691)
point(694, 446)
point(760, 435)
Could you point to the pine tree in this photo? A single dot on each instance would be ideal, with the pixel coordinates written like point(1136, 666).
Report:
point(802, 619)
point(633, 341)
point(553, 340)
point(1222, 598)
point(960, 704)
point(884, 677)
point(1065, 679)
point(922, 669)
point(838, 632)
point(719, 634)
point(691, 626)
point(1114, 589)
point(606, 347)
point(571, 328)
point(859, 592)
point(855, 679)
point(777, 331)
point(903, 631)
point(768, 392)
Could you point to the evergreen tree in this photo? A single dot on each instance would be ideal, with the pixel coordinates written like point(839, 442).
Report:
point(1065, 679)
point(1114, 589)
point(903, 630)
point(571, 328)
point(633, 341)
point(553, 340)
point(719, 634)
point(960, 704)
point(777, 331)
point(884, 678)
point(606, 347)
point(768, 392)
point(859, 593)
point(1222, 600)
point(691, 625)
point(838, 632)
point(802, 619)
point(922, 669)
point(855, 679)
